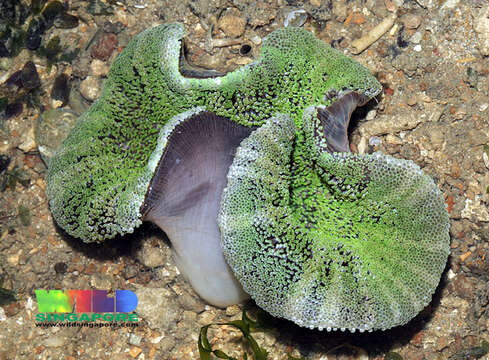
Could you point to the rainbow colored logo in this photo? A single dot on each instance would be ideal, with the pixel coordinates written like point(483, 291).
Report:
point(85, 301)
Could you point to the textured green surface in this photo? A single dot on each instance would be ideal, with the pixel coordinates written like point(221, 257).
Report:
point(331, 241)
point(98, 179)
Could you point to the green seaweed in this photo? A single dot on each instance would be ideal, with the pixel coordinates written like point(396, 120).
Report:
point(246, 326)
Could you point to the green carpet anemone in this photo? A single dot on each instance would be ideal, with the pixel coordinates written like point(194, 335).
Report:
point(249, 174)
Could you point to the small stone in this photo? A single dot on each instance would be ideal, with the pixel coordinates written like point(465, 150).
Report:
point(51, 11)
point(12, 309)
point(207, 317)
point(61, 89)
point(158, 306)
point(77, 102)
point(412, 101)
point(357, 18)
point(51, 129)
point(190, 302)
point(256, 40)
point(392, 140)
point(60, 268)
point(113, 27)
point(99, 68)
point(417, 48)
point(55, 104)
point(151, 255)
point(371, 115)
point(28, 141)
point(475, 210)
point(36, 29)
point(295, 18)
point(411, 21)
point(463, 286)
point(66, 21)
point(130, 271)
point(232, 23)
point(101, 281)
point(362, 145)
point(91, 87)
point(134, 339)
point(481, 27)
point(340, 10)
point(416, 38)
point(29, 76)
point(55, 341)
point(485, 158)
point(450, 4)
point(104, 47)
point(374, 141)
point(135, 351)
point(233, 310)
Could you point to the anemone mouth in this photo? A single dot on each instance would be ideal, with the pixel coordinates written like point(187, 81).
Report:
point(331, 240)
point(335, 119)
point(183, 200)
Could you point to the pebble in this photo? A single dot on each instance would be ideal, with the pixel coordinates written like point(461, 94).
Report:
point(61, 89)
point(28, 141)
point(190, 302)
point(416, 38)
point(129, 271)
point(13, 110)
point(463, 286)
point(60, 267)
point(481, 27)
point(159, 307)
point(55, 341)
point(66, 21)
point(371, 115)
point(411, 21)
point(29, 76)
point(91, 87)
point(34, 32)
point(77, 102)
point(450, 4)
point(485, 158)
point(99, 68)
point(53, 126)
point(101, 281)
point(135, 339)
point(295, 18)
point(374, 141)
point(232, 23)
point(475, 210)
point(135, 351)
point(233, 310)
point(104, 46)
point(392, 140)
point(340, 11)
point(150, 255)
